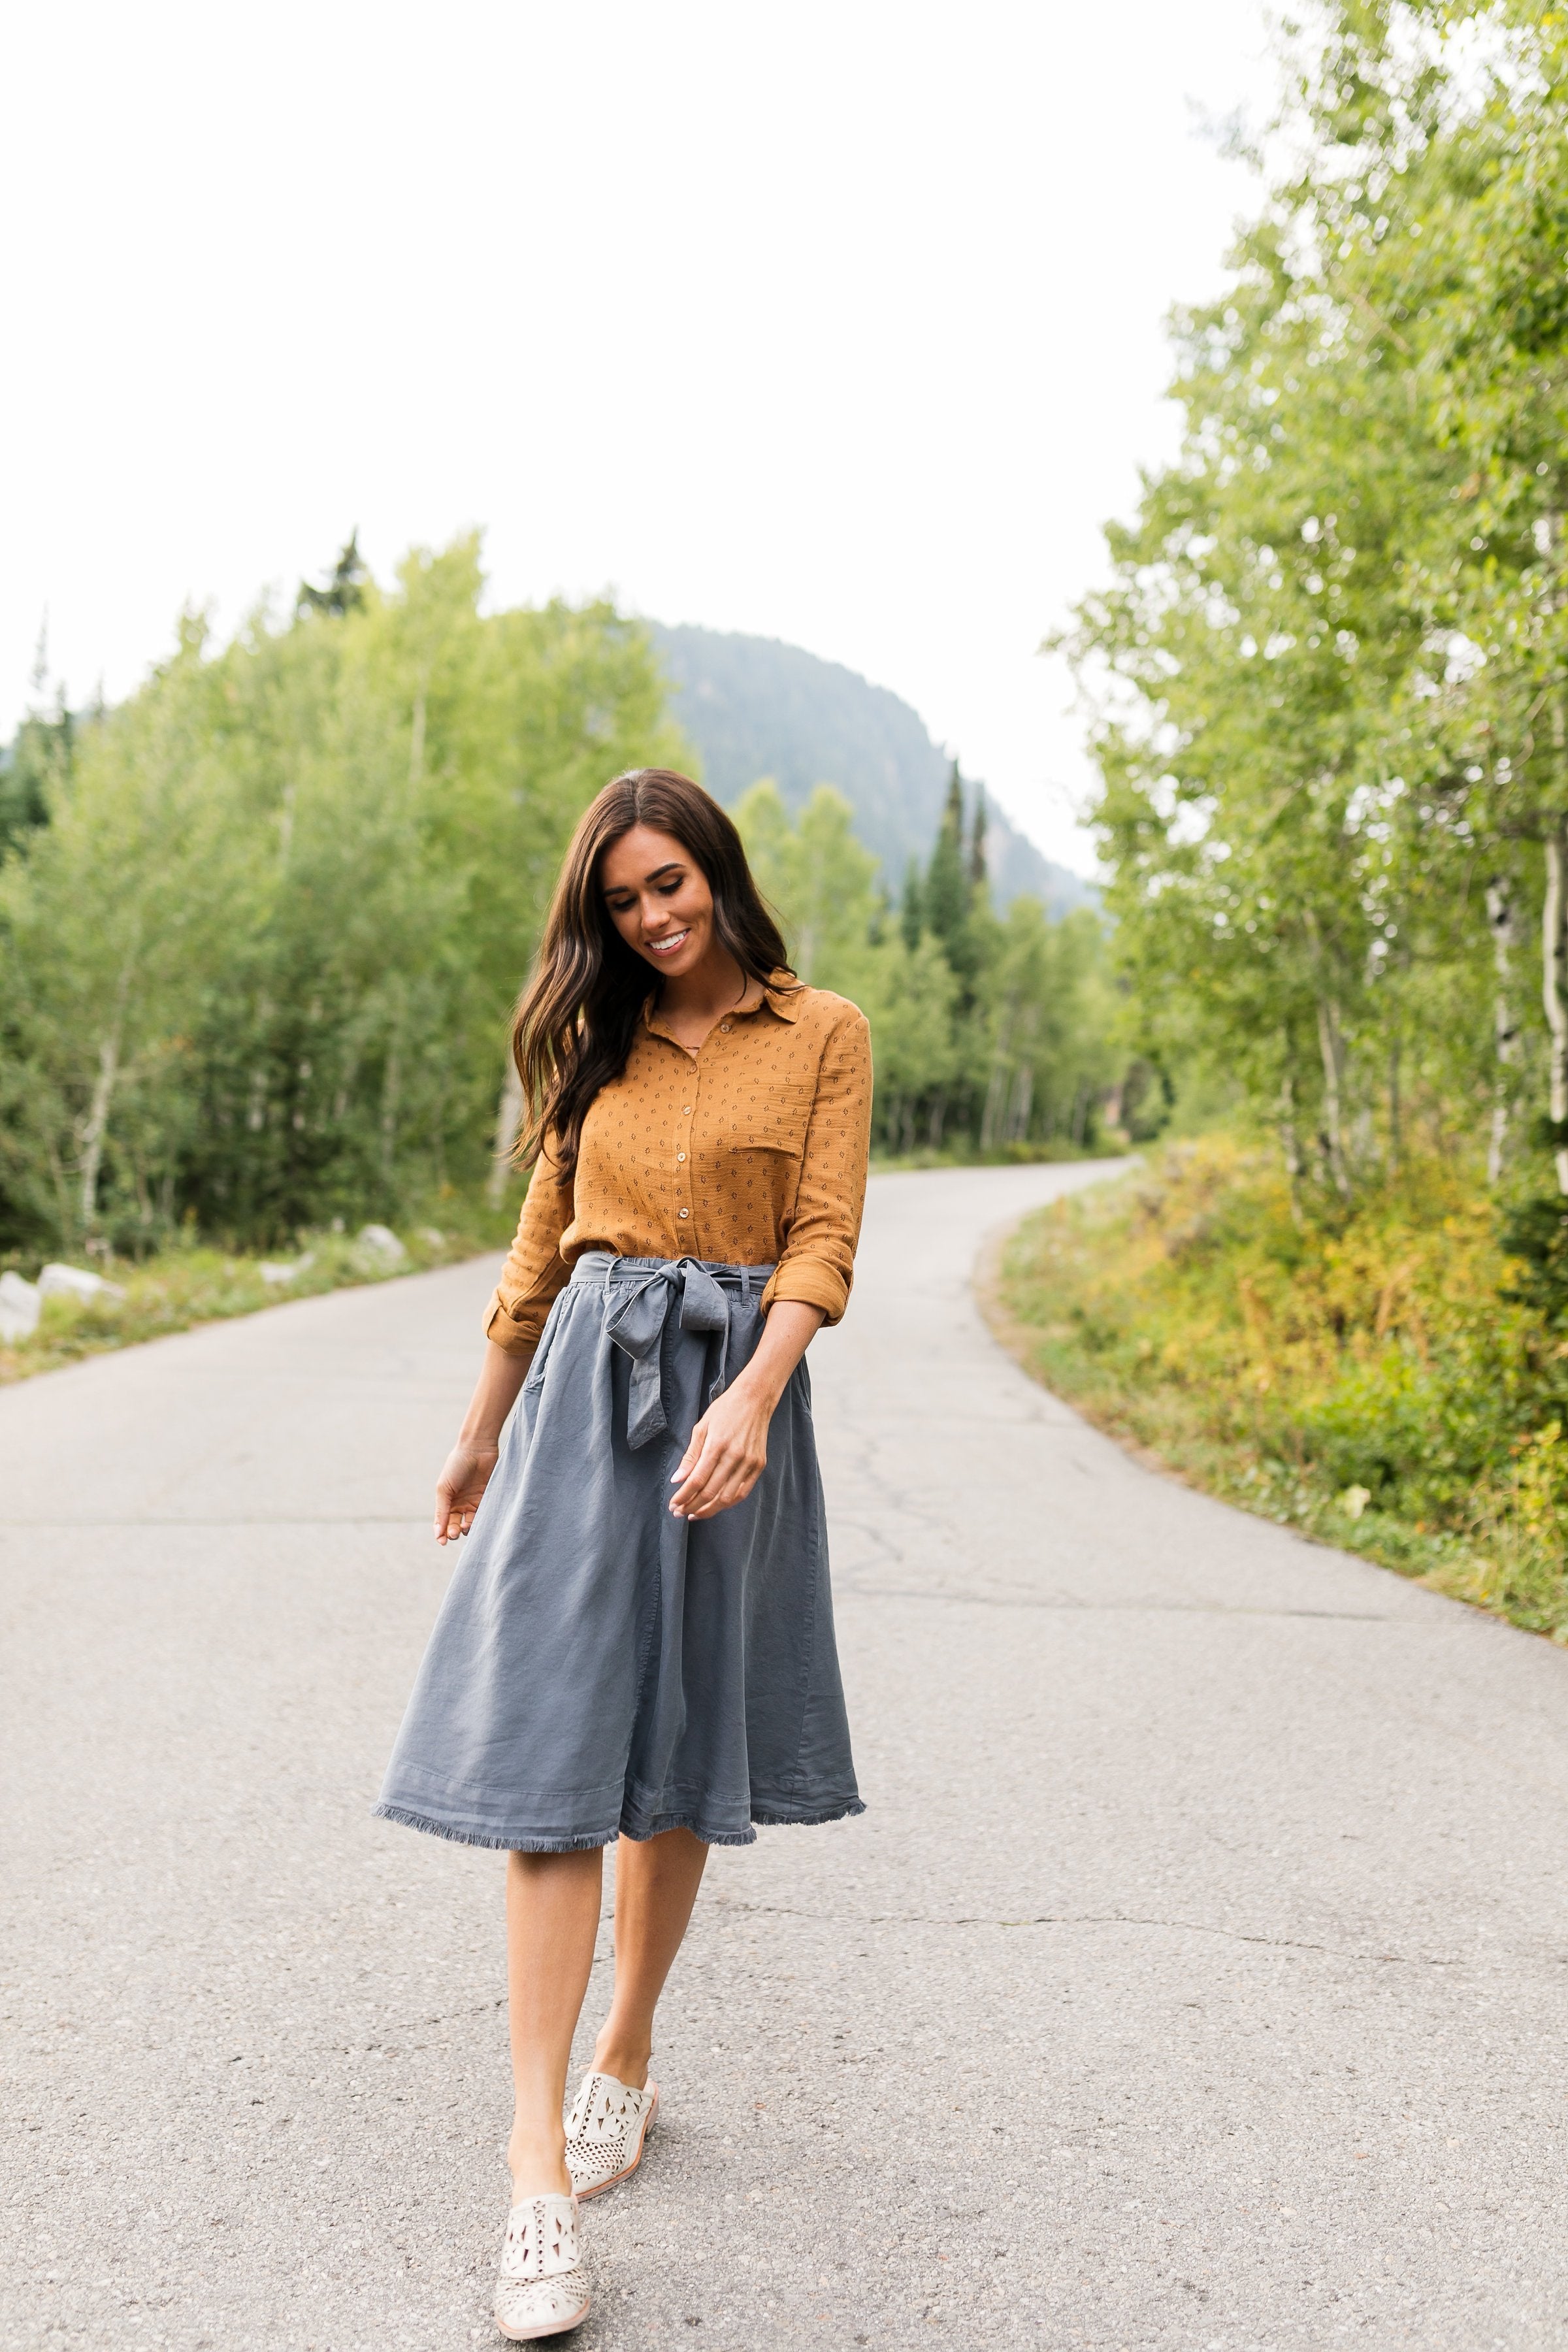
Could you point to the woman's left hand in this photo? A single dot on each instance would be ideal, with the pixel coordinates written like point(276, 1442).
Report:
point(729, 1448)
point(727, 1456)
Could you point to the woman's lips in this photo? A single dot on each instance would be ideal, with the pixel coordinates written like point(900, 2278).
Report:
point(668, 946)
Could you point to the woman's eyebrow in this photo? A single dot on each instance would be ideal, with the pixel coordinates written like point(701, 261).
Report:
point(672, 865)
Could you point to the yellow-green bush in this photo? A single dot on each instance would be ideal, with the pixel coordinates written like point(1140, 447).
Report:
point(1370, 1380)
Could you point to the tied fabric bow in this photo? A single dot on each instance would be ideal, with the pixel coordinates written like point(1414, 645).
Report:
point(636, 1327)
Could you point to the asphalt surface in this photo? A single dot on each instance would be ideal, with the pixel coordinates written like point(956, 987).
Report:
point(1197, 1979)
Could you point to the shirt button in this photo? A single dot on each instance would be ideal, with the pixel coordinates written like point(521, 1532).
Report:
point(725, 1027)
point(686, 1110)
point(683, 1212)
point(681, 1155)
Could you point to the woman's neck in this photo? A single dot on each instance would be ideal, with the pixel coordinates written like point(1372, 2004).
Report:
point(715, 986)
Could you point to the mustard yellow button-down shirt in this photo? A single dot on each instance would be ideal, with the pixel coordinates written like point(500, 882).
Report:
point(753, 1152)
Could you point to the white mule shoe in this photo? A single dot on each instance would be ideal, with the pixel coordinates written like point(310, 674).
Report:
point(605, 2131)
point(542, 2289)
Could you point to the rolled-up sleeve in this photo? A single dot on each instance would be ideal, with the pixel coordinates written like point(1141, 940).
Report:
point(534, 1272)
point(818, 1262)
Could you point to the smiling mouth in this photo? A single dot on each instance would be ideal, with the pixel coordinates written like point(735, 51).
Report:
point(669, 946)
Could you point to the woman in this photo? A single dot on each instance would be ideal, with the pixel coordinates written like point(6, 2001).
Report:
point(638, 1643)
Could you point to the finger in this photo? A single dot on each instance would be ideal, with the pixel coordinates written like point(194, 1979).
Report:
point(731, 1492)
point(695, 1468)
point(724, 1478)
point(734, 1487)
point(693, 1454)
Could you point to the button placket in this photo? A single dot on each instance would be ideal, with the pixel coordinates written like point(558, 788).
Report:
point(683, 1207)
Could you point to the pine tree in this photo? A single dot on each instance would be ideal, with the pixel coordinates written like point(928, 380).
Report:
point(912, 908)
point(947, 883)
point(344, 590)
point(979, 874)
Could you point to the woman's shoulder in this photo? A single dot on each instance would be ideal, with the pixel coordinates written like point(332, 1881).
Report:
point(819, 1010)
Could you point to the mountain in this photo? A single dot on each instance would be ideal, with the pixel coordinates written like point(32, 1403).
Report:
point(755, 707)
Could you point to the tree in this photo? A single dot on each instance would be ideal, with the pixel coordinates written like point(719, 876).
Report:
point(344, 591)
point(258, 969)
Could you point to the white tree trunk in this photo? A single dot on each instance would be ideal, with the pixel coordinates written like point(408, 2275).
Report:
point(1553, 917)
point(1289, 1143)
point(996, 1087)
point(96, 1125)
point(1331, 1046)
point(1505, 1028)
point(508, 1119)
point(1022, 1103)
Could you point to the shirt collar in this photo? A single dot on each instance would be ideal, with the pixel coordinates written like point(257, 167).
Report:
point(782, 994)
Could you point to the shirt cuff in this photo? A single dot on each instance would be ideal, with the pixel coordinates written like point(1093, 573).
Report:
point(518, 1338)
point(812, 1282)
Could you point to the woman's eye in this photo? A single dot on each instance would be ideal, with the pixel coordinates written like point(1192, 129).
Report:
point(667, 889)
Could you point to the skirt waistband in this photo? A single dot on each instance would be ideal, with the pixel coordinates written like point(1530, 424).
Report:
point(605, 1266)
point(639, 1294)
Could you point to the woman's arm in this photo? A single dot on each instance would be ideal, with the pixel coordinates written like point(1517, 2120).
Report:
point(471, 1460)
point(818, 1255)
point(729, 1448)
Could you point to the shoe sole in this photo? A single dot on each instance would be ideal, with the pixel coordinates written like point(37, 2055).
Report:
point(553, 2327)
point(627, 2171)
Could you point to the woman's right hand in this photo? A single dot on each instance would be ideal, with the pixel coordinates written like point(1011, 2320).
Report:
point(461, 1483)
point(469, 1463)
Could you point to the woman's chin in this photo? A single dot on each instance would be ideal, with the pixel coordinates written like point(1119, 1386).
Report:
point(684, 960)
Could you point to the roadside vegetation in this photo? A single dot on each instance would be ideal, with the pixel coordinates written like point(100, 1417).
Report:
point(1382, 1382)
point(191, 1283)
point(1329, 685)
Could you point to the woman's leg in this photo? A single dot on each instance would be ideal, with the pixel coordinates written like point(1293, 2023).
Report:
point(656, 1885)
point(552, 1921)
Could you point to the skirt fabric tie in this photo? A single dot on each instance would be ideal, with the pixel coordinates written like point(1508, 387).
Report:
point(599, 1667)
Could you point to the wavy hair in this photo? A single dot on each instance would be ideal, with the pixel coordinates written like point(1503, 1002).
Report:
point(578, 1014)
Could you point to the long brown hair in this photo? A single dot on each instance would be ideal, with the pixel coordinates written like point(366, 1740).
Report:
point(578, 1015)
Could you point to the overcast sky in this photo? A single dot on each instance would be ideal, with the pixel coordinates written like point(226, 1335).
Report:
point(840, 322)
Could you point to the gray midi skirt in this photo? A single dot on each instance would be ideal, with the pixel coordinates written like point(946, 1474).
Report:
point(599, 1668)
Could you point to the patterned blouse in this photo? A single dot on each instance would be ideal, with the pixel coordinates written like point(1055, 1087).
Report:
point(753, 1152)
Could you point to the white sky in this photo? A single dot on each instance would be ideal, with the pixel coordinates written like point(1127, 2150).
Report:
point(840, 321)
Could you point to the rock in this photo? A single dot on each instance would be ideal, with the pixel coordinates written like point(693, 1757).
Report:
point(75, 1281)
point(286, 1269)
point(20, 1305)
point(432, 1236)
point(380, 1243)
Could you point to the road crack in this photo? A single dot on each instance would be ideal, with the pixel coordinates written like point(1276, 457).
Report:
point(1074, 1919)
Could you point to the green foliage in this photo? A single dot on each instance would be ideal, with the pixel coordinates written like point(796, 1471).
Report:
point(1331, 674)
point(995, 1036)
point(1357, 1378)
point(30, 768)
point(256, 967)
point(1330, 679)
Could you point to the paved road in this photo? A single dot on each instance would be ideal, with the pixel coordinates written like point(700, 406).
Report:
point(1198, 1978)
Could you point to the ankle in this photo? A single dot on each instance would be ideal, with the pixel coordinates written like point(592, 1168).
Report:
point(538, 2164)
point(624, 2062)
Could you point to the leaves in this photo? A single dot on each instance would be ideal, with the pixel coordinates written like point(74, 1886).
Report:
point(256, 970)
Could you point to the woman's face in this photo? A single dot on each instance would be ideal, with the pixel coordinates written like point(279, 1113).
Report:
point(658, 900)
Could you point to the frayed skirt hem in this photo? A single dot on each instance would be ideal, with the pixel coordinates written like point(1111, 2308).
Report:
point(526, 1842)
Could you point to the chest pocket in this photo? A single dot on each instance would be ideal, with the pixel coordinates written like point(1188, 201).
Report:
point(771, 1117)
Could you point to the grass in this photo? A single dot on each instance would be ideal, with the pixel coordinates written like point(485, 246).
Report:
point(1365, 1377)
point(1004, 1155)
point(192, 1284)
